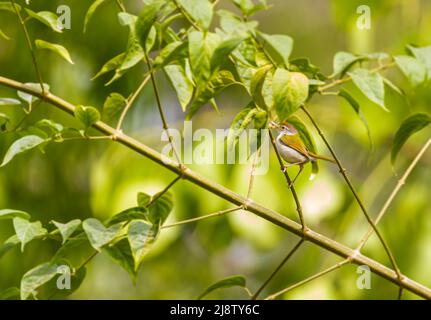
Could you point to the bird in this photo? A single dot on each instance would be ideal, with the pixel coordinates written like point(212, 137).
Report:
point(293, 150)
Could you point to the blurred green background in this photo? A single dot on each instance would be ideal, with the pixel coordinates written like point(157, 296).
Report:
point(98, 179)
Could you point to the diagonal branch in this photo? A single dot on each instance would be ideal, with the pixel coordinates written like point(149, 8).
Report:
point(232, 197)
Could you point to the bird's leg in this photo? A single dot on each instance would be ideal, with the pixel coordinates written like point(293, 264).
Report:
point(301, 166)
point(289, 165)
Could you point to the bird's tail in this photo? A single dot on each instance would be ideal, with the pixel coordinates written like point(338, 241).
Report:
point(316, 156)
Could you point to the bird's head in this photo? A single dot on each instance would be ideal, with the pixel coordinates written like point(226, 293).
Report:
point(285, 127)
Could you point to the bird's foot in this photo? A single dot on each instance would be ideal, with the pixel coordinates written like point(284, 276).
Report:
point(284, 169)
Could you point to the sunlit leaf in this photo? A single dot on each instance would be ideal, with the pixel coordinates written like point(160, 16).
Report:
point(146, 20)
point(183, 86)
point(371, 85)
point(60, 50)
point(22, 145)
point(256, 86)
point(229, 282)
point(343, 61)
point(201, 11)
point(409, 126)
point(90, 12)
point(48, 18)
point(412, 68)
point(98, 234)
point(9, 244)
point(121, 254)
point(141, 236)
point(67, 229)
point(423, 54)
point(11, 213)
point(159, 207)
point(29, 98)
point(27, 231)
point(35, 278)
point(112, 64)
point(9, 102)
point(281, 44)
point(87, 115)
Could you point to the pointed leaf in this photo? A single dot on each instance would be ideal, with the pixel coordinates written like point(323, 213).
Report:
point(281, 44)
point(141, 235)
point(413, 69)
point(87, 115)
point(201, 11)
point(343, 61)
point(371, 85)
point(60, 50)
point(98, 234)
point(48, 18)
point(114, 104)
point(146, 20)
point(11, 213)
point(67, 229)
point(122, 255)
point(229, 282)
point(240, 123)
point(90, 12)
point(9, 244)
point(35, 278)
point(129, 214)
point(257, 84)
point(182, 84)
point(22, 145)
point(27, 231)
point(423, 54)
point(112, 64)
point(9, 102)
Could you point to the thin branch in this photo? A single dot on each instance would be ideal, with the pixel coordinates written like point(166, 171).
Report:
point(161, 193)
point(120, 5)
point(232, 197)
point(131, 100)
point(399, 185)
point(291, 252)
point(207, 216)
point(30, 47)
point(317, 275)
point(355, 194)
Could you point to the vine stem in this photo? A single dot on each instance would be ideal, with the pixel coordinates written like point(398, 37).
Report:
point(397, 188)
point(317, 275)
point(356, 196)
point(231, 196)
point(131, 100)
point(204, 217)
point(272, 275)
point(30, 47)
point(161, 193)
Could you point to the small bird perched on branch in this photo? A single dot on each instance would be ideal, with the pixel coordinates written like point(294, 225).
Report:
point(293, 150)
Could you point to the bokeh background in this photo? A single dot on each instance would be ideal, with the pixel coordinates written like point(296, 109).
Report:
point(98, 179)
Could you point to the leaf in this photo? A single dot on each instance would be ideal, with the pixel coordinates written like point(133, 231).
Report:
point(22, 145)
point(11, 213)
point(158, 210)
point(229, 282)
point(87, 115)
point(290, 90)
point(98, 234)
point(35, 278)
point(256, 86)
point(204, 93)
point(248, 8)
point(29, 98)
point(10, 294)
point(182, 84)
point(201, 11)
point(129, 214)
point(7, 6)
point(51, 290)
point(48, 18)
point(60, 50)
point(112, 64)
point(54, 127)
point(281, 44)
point(146, 20)
point(10, 243)
point(67, 229)
point(423, 54)
point(121, 254)
point(224, 49)
point(174, 51)
point(413, 69)
point(371, 85)
point(240, 123)
point(9, 102)
point(90, 12)
point(355, 105)
point(343, 61)
point(27, 231)
point(114, 104)
point(409, 126)
point(141, 236)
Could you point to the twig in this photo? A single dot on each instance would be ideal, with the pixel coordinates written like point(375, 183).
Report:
point(291, 252)
point(161, 193)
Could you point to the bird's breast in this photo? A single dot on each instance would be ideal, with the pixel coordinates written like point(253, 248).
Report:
point(289, 154)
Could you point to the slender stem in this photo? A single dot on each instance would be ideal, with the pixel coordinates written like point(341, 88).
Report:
point(317, 275)
point(398, 187)
point(161, 193)
point(289, 182)
point(184, 13)
point(131, 100)
point(207, 216)
point(30, 47)
point(232, 197)
point(120, 5)
point(355, 194)
point(88, 138)
point(283, 262)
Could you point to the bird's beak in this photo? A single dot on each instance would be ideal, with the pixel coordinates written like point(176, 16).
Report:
point(273, 124)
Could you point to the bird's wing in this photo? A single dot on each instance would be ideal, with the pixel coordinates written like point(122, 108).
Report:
point(296, 143)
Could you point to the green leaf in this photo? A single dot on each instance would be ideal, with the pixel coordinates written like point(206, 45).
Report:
point(10, 243)
point(48, 18)
point(141, 236)
point(87, 115)
point(248, 8)
point(201, 11)
point(174, 51)
point(27, 231)
point(409, 126)
point(7, 6)
point(371, 85)
point(11, 213)
point(10, 294)
point(114, 104)
point(205, 92)
point(281, 44)
point(9, 102)
point(290, 90)
point(30, 99)
point(51, 290)
point(22, 145)
point(240, 123)
point(60, 50)
point(67, 229)
point(54, 127)
point(183, 86)
point(355, 105)
point(224, 49)
point(158, 210)
point(90, 12)
point(423, 54)
point(98, 234)
point(129, 214)
point(229, 282)
point(146, 20)
point(257, 85)
point(343, 61)
point(413, 69)
point(35, 278)
point(112, 64)
point(121, 254)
